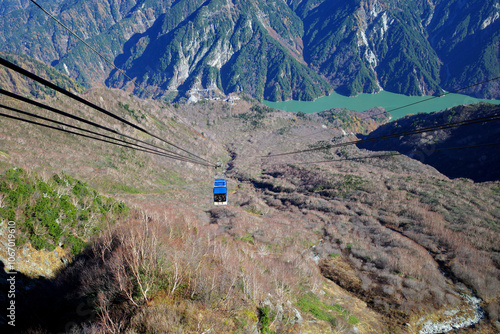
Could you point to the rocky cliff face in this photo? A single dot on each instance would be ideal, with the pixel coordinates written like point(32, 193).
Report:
point(402, 47)
point(298, 49)
point(230, 47)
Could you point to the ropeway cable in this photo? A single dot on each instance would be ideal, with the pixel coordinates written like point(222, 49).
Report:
point(60, 112)
point(95, 138)
point(47, 83)
point(391, 154)
point(81, 40)
point(395, 135)
point(143, 148)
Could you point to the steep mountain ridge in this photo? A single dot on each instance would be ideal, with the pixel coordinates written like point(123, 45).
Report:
point(105, 24)
point(472, 52)
point(224, 47)
point(272, 50)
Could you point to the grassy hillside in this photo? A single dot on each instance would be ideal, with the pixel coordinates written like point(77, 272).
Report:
point(346, 246)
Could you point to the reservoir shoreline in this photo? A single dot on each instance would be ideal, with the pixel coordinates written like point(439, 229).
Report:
point(387, 100)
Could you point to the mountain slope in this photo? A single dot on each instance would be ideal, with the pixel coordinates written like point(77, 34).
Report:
point(363, 46)
point(472, 54)
point(331, 42)
point(107, 25)
point(474, 163)
point(272, 50)
point(223, 47)
point(19, 84)
point(382, 231)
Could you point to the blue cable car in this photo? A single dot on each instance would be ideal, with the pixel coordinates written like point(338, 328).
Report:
point(220, 192)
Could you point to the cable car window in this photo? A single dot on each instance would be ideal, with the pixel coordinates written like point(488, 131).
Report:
point(220, 192)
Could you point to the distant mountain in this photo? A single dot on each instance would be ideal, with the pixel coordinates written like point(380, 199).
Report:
point(363, 46)
point(243, 46)
point(296, 49)
point(466, 36)
point(410, 47)
point(477, 163)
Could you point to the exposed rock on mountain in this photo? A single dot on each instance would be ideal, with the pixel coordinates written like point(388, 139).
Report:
point(299, 49)
point(215, 45)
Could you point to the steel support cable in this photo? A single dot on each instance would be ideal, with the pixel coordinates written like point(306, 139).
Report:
point(390, 154)
point(47, 83)
point(411, 104)
point(95, 138)
point(81, 40)
point(93, 49)
point(395, 135)
point(99, 134)
point(60, 112)
point(436, 97)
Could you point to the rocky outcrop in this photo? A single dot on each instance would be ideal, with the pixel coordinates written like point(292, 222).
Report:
point(37, 263)
point(468, 314)
point(273, 50)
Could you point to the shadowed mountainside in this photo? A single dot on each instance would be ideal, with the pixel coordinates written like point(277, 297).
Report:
point(477, 163)
point(295, 49)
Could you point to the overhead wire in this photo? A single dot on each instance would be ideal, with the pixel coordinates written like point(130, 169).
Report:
point(391, 154)
point(94, 138)
point(83, 120)
point(49, 84)
point(149, 150)
point(81, 40)
point(395, 135)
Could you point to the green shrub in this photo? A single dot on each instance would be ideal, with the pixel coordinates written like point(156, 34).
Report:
point(80, 189)
point(310, 303)
point(265, 320)
point(76, 244)
point(38, 242)
point(46, 217)
point(248, 238)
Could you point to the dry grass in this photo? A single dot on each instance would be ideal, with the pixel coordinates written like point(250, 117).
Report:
point(396, 226)
point(179, 265)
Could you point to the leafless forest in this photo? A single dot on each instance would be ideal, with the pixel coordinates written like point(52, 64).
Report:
point(345, 246)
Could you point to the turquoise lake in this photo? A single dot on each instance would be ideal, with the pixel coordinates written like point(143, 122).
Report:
point(389, 101)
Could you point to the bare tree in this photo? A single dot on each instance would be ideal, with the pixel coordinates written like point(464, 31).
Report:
point(140, 243)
